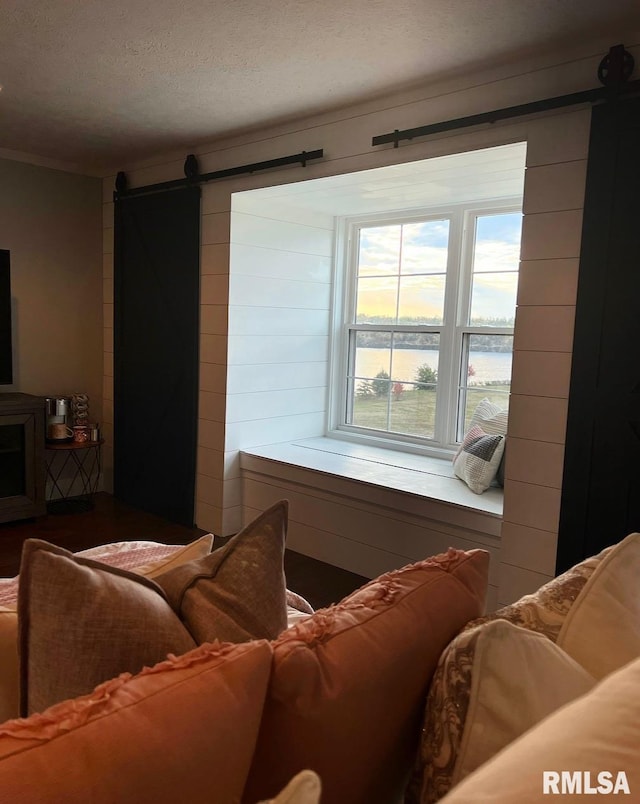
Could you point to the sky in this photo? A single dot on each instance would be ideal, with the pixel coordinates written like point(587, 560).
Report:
point(418, 266)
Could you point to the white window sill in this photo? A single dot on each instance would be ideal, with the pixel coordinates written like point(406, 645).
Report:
point(418, 475)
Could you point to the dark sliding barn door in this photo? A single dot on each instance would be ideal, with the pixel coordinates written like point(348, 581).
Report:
point(156, 336)
point(601, 487)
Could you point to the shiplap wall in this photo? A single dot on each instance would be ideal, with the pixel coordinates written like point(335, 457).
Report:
point(278, 333)
point(554, 190)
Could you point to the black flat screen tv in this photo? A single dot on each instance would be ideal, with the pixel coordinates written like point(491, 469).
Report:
point(6, 362)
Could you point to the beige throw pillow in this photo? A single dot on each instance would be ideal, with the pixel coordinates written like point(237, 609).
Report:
point(137, 551)
point(492, 684)
point(9, 674)
point(238, 592)
point(602, 629)
point(597, 733)
point(115, 621)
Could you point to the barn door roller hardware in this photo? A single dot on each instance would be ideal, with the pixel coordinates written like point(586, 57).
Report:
point(193, 176)
point(614, 72)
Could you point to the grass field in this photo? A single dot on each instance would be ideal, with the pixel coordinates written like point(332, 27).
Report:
point(412, 411)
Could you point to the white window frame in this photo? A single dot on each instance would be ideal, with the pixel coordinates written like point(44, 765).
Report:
point(457, 303)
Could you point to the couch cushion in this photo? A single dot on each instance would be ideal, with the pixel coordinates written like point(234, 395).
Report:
point(349, 682)
point(142, 557)
point(239, 591)
point(600, 731)
point(184, 730)
point(82, 622)
point(492, 683)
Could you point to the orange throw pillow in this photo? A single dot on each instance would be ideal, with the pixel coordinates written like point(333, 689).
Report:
point(348, 684)
point(183, 730)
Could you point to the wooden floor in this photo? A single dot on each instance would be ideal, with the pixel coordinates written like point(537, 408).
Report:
point(113, 521)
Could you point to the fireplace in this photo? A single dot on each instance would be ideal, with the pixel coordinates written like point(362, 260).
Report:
point(22, 492)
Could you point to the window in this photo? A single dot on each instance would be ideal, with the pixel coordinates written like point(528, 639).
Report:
point(429, 305)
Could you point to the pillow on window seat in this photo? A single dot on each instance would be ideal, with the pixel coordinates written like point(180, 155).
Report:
point(493, 419)
point(478, 458)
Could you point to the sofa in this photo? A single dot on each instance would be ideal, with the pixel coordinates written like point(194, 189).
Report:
point(210, 681)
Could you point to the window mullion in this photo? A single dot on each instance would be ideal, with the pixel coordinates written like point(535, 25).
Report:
point(447, 377)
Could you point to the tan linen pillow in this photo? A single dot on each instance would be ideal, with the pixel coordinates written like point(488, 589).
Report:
point(347, 691)
point(141, 551)
point(602, 629)
point(239, 591)
point(183, 730)
point(81, 622)
point(304, 788)
point(492, 684)
point(598, 732)
point(9, 674)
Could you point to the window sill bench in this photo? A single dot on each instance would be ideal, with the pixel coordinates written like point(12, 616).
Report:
point(380, 469)
point(370, 510)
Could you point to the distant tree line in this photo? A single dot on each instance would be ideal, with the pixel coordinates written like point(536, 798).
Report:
point(377, 339)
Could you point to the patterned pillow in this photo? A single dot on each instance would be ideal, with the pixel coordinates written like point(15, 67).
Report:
point(546, 612)
point(478, 459)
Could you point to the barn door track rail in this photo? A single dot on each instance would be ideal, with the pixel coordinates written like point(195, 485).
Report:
point(192, 175)
point(614, 72)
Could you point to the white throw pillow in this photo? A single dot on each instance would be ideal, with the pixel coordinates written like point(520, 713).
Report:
point(492, 418)
point(599, 732)
point(492, 684)
point(304, 788)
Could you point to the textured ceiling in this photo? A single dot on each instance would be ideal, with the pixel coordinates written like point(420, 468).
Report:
point(103, 82)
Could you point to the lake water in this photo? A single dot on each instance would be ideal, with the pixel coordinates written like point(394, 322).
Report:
point(488, 366)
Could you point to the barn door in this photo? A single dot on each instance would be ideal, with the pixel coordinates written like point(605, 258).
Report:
point(601, 487)
point(156, 336)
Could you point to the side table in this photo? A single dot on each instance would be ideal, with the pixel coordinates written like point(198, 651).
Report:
point(71, 493)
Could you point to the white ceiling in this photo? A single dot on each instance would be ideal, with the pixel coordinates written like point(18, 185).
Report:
point(104, 82)
point(491, 173)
